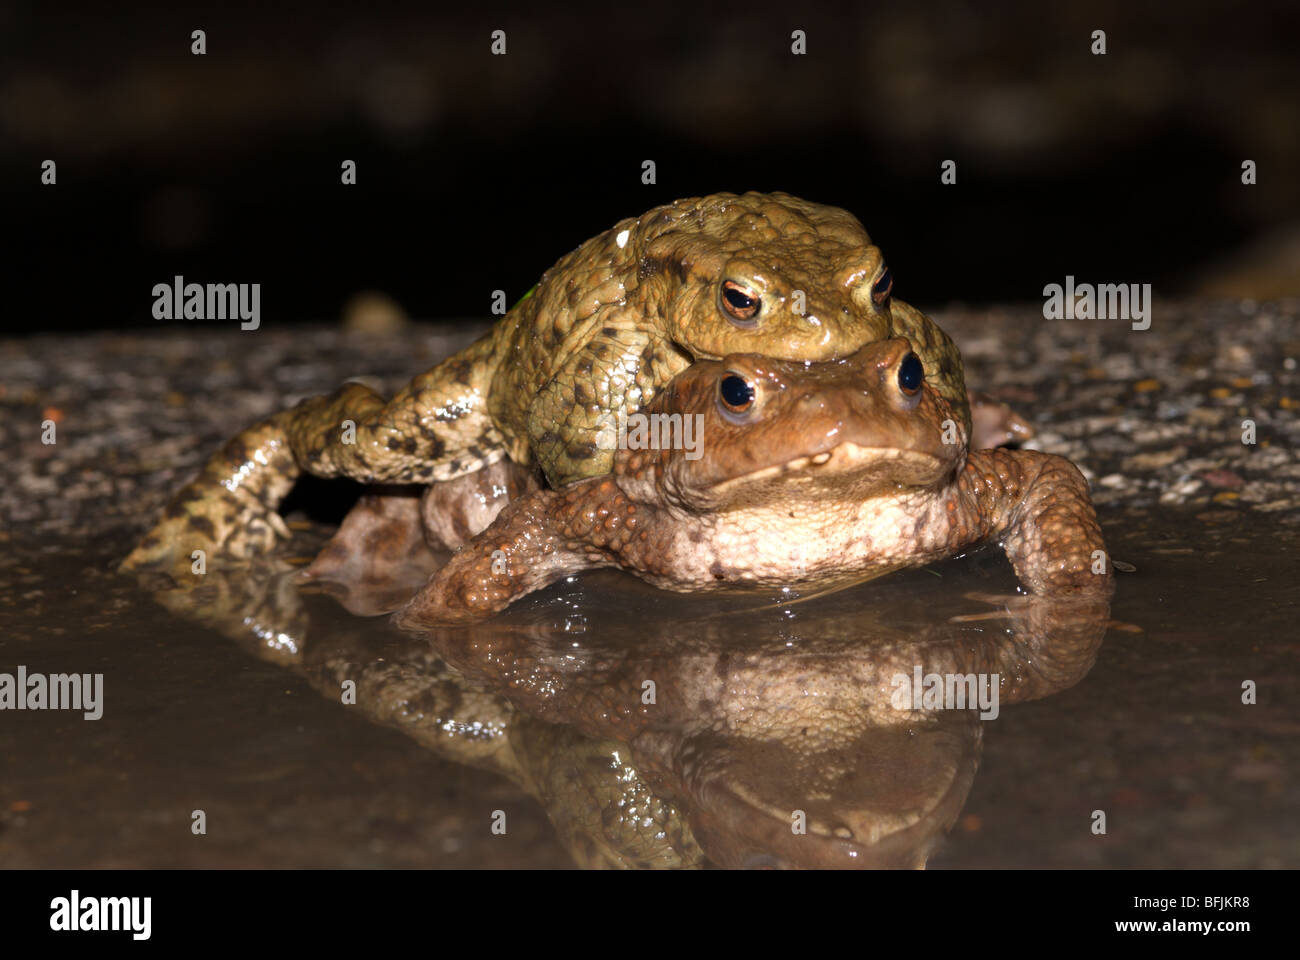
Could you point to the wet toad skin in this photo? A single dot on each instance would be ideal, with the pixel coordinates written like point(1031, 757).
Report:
point(818, 474)
point(605, 329)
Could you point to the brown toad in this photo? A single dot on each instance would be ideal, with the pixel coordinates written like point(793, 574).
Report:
point(815, 474)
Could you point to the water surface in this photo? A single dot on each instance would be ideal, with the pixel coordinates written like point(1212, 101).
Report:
point(230, 702)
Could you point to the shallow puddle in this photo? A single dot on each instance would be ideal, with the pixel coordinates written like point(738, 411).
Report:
point(603, 722)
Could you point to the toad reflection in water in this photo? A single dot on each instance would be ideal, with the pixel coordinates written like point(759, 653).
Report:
point(770, 739)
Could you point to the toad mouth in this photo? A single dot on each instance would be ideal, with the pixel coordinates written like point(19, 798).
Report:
point(845, 458)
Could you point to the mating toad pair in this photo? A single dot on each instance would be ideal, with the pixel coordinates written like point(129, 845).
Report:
point(836, 430)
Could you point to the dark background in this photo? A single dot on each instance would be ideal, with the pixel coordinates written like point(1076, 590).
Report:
point(476, 172)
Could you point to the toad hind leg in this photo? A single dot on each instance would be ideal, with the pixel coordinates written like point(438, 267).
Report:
point(534, 541)
point(436, 428)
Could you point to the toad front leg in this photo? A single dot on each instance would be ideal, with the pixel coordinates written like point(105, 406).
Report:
point(535, 541)
point(1037, 505)
point(436, 428)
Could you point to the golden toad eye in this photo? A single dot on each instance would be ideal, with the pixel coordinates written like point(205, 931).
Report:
point(740, 304)
point(880, 292)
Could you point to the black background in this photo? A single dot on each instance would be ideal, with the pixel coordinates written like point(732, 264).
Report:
point(476, 172)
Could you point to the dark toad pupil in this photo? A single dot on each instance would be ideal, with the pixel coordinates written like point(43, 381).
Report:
point(736, 392)
point(910, 374)
point(738, 299)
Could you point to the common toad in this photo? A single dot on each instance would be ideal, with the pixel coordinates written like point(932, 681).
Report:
point(816, 474)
